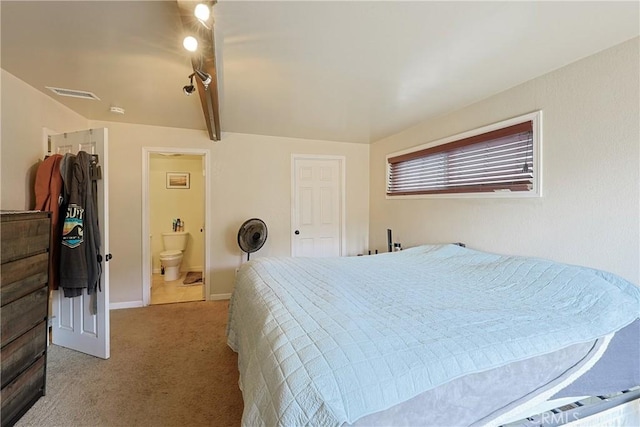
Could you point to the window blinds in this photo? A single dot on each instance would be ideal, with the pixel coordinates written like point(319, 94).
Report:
point(500, 160)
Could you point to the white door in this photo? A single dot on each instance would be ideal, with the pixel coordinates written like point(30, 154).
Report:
point(73, 324)
point(317, 206)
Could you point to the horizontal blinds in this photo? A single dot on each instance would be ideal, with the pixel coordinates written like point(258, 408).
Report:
point(495, 161)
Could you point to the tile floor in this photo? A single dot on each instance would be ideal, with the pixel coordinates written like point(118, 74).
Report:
point(167, 292)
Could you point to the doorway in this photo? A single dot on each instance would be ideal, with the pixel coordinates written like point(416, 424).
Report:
point(175, 206)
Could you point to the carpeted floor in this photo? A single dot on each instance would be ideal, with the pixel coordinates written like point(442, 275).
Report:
point(169, 366)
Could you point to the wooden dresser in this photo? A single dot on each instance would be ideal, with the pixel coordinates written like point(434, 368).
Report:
point(24, 299)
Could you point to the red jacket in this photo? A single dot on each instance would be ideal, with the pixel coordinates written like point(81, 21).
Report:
point(48, 187)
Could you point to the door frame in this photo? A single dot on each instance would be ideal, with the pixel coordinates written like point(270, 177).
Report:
point(147, 262)
point(342, 160)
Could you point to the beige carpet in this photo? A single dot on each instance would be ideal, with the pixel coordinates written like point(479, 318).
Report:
point(169, 366)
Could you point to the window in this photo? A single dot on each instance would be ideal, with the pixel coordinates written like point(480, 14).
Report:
point(501, 159)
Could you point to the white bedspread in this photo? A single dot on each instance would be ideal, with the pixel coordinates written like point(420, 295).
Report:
point(327, 341)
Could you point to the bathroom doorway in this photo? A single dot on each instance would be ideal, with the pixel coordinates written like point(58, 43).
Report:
point(175, 210)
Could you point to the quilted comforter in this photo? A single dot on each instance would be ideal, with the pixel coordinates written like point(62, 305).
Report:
point(327, 341)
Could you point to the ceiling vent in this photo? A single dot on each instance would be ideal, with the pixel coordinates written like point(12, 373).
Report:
point(73, 93)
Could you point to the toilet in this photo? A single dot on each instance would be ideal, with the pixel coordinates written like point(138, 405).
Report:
point(175, 243)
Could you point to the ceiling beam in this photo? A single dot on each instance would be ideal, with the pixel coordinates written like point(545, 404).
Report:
point(204, 59)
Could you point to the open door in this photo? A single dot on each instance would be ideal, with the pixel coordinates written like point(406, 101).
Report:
point(73, 324)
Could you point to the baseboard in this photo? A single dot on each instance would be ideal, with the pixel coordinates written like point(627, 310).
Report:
point(216, 297)
point(157, 270)
point(126, 304)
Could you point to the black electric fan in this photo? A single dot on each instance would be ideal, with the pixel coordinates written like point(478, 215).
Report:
point(252, 235)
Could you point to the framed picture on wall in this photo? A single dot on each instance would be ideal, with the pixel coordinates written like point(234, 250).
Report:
point(178, 180)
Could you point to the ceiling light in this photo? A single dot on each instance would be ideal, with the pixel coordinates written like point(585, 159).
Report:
point(202, 12)
point(190, 43)
point(190, 88)
point(117, 110)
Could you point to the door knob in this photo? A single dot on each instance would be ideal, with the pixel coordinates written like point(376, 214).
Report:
point(296, 232)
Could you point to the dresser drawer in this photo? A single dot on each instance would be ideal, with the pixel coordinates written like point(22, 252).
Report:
point(24, 235)
point(19, 395)
point(23, 276)
point(23, 314)
point(22, 352)
point(24, 301)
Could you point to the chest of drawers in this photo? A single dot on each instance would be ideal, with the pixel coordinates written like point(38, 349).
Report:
point(24, 299)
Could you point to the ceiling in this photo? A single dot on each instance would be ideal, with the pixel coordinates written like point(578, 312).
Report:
point(352, 71)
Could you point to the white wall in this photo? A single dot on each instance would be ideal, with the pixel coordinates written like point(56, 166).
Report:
point(167, 204)
point(25, 112)
point(250, 177)
point(590, 211)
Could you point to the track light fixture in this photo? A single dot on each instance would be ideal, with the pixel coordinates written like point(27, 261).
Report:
point(205, 77)
point(202, 12)
point(190, 43)
point(190, 88)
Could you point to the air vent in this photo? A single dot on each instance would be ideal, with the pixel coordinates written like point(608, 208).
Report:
point(73, 93)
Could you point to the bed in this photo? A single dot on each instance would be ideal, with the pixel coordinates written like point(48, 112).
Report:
point(432, 335)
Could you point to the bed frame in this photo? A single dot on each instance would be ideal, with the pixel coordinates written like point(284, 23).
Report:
point(617, 409)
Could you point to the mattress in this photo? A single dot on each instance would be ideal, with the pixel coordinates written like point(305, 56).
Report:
point(477, 399)
point(604, 367)
point(329, 342)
